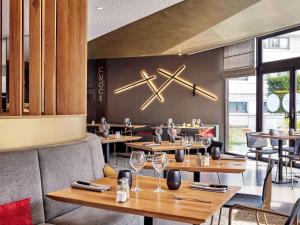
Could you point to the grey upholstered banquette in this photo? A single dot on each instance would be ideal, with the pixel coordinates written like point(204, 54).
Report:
point(35, 172)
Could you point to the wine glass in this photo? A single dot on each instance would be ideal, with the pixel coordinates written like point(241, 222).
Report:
point(159, 162)
point(188, 144)
point(158, 131)
point(137, 162)
point(206, 141)
point(170, 132)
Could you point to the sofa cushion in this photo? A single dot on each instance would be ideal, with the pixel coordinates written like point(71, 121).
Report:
point(61, 165)
point(17, 212)
point(93, 216)
point(97, 156)
point(20, 179)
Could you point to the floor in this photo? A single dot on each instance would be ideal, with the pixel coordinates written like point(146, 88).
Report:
point(283, 197)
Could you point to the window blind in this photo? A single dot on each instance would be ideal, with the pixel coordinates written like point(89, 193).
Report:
point(239, 59)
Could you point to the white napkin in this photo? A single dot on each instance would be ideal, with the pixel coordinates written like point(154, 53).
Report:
point(92, 187)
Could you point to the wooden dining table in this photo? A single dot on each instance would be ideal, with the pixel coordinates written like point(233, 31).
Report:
point(280, 137)
point(150, 204)
point(164, 146)
point(114, 139)
point(227, 165)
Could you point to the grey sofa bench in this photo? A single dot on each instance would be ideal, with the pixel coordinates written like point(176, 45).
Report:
point(35, 172)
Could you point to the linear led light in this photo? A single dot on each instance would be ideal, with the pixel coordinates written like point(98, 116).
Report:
point(186, 84)
point(134, 84)
point(152, 86)
point(163, 87)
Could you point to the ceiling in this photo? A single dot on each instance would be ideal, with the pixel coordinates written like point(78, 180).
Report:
point(195, 25)
point(118, 13)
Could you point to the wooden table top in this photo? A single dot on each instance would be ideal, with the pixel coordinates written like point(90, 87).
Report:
point(164, 146)
point(216, 166)
point(151, 204)
point(134, 126)
point(112, 139)
point(283, 136)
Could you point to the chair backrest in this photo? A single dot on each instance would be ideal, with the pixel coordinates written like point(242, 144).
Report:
point(294, 213)
point(267, 187)
point(255, 142)
point(275, 142)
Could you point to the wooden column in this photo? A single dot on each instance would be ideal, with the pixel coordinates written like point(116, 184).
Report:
point(71, 57)
point(35, 57)
point(49, 33)
point(15, 57)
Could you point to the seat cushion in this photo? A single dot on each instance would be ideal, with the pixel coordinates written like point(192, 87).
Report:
point(61, 165)
point(20, 179)
point(245, 199)
point(93, 216)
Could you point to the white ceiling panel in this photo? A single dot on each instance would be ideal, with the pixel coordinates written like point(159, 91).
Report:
point(118, 13)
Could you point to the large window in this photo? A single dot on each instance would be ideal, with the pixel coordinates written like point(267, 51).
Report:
point(241, 104)
point(284, 46)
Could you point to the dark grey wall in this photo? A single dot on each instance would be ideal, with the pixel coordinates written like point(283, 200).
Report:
point(203, 69)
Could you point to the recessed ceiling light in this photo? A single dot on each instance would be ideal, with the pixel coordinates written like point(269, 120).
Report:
point(99, 8)
point(179, 53)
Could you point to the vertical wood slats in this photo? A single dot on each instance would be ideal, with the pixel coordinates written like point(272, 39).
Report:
point(49, 34)
point(72, 56)
point(15, 57)
point(1, 109)
point(35, 57)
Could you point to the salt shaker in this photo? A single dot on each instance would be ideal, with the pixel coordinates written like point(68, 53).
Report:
point(206, 159)
point(199, 160)
point(121, 191)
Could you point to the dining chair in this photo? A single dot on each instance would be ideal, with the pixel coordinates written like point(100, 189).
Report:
point(262, 201)
point(291, 219)
point(125, 154)
point(257, 142)
point(293, 158)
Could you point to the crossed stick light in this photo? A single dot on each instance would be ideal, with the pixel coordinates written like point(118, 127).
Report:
point(157, 93)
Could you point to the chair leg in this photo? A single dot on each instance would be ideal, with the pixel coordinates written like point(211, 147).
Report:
point(257, 218)
point(292, 176)
point(212, 220)
point(276, 171)
point(219, 178)
point(243, 178)
point(115, 152)
point(286, 166)
point(220, 216)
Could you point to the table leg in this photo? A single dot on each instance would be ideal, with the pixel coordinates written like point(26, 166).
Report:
point(148, 220)
point(196, 176)
point(280, 166)
point(106, 152)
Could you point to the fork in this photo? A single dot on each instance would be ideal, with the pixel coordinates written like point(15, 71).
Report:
point(177, 197)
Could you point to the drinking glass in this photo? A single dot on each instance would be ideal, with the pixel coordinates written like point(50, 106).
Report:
point(159, 162)
point(188, 145)
point(158, 131)
point(206, 141)
point(137, 162)
point(170, 132)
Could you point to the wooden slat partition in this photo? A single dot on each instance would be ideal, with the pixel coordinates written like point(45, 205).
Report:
point(49, 34)
point(15, 57)
point(72, 56)
point(1, 109)
point(35, 57)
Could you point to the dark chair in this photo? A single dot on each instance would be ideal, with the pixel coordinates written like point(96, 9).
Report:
point(294, 157)
point(257, 201)
point(291, 219)
point(256, 142)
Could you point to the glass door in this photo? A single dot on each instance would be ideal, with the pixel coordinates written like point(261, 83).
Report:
point(241, 113)
point(276, 101)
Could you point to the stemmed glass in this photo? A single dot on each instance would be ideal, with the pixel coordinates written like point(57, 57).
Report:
point(137, 162)
point(188, 145)
point(159, 162)
point(158, 131)
point(170, 132)
point(206, 141)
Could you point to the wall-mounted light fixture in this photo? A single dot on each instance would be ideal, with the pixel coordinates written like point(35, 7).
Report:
point(157, 92)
